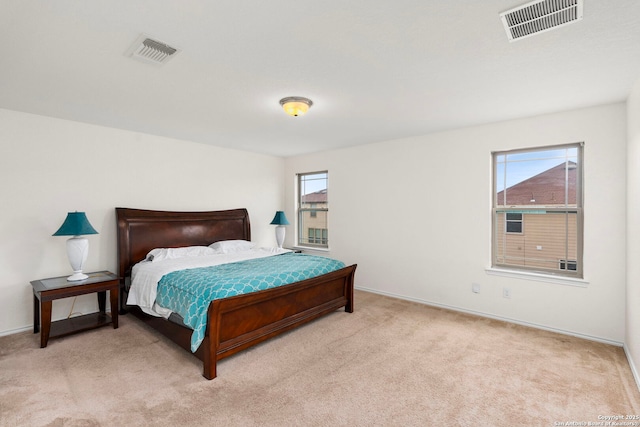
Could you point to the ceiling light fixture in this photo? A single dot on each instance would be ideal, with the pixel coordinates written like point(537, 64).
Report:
point(296, 105)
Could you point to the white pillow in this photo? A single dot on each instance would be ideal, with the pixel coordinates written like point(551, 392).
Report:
point(160, 254)
point(232, 246)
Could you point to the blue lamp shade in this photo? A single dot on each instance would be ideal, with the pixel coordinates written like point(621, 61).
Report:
point(280, 219)
point(76, 224)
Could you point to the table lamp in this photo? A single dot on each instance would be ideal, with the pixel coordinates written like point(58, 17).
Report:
point(76, 224)
point(280, 220)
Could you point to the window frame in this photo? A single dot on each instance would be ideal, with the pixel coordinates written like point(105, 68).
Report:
point(313, 211)
point(569, 274)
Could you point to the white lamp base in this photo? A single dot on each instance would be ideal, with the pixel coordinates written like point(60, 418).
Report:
point(77, 251)
point(280, 232)
point(77, 276)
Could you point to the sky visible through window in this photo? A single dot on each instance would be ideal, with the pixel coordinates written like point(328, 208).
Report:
point(313, 182)
point(522, 166)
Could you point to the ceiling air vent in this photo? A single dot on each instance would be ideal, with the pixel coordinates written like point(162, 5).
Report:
point(151, 51)
point(539, 16)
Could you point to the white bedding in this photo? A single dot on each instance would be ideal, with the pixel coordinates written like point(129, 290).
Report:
point(145, 275)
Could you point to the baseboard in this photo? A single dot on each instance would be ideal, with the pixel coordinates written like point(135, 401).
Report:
point(632, 365)
point(16, 331)
point(492, 316)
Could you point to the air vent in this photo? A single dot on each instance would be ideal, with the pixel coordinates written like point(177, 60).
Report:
point(539, 16)
point(151, 51)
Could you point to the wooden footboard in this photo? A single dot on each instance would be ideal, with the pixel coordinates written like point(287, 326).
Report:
point(240, 322)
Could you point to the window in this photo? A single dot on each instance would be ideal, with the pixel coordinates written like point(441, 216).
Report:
point(513, 223)
point(313, 209)
point(542, 188)
point(318, 236)
point(567, 265)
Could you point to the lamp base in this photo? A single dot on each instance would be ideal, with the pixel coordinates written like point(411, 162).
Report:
point(76, 276)
point(77, 251)
point(280, 232)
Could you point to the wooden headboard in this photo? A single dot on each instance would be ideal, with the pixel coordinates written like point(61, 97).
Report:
point(140, 230)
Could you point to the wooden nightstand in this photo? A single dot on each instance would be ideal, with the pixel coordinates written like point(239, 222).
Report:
point(47, 290)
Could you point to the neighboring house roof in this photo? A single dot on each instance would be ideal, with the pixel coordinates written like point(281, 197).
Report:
point(546, 188)
point(316, 197)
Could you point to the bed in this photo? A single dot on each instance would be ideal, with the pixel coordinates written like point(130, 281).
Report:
point(235, 323)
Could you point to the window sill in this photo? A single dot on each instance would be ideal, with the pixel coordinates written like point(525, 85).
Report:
point(310, 248)
point(539, 277)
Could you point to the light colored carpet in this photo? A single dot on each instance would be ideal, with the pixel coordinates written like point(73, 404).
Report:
point(390, 363)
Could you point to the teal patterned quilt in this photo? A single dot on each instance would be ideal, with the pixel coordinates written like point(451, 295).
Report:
point(189, 292)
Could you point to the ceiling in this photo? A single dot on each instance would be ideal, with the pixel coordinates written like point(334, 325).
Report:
point(376, 70)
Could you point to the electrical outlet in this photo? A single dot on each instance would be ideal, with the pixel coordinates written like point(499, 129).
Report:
point(475, 287)
point(506, 293)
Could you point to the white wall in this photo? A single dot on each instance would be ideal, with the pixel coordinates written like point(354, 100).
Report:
point(49, 167)
point(632, 342)
point(415, 215)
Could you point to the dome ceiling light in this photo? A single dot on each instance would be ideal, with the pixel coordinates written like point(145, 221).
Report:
point(296, 105)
